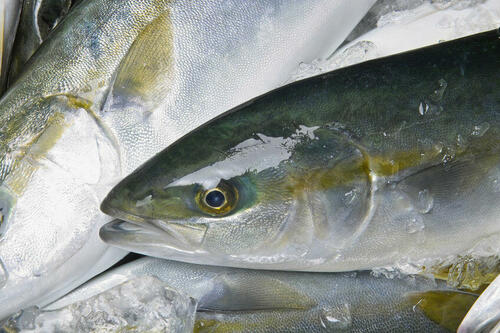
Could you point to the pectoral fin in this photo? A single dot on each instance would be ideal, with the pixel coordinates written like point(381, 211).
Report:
point(446, 308)
point(144, 76)
point(243, 293)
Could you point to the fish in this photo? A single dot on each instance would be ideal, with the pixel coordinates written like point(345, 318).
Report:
point(240, 300)
point(38, 18)
point(114, 83)
point(10, 11)
point(484, 316)
point(392, 163)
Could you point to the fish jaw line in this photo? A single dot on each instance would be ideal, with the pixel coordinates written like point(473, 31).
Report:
point(172, 238)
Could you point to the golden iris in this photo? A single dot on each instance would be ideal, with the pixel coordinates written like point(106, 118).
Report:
point(219, 200)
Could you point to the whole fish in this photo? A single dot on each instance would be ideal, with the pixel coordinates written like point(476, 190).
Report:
point(239, 300)
point(113, 84)
point(9, 18)
point(392, 162)
point(38, 18)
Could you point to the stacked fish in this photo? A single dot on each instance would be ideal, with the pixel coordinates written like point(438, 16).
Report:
point(364, 199)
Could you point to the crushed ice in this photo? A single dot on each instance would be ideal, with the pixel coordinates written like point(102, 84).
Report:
point(139, 305)
point(394, 26)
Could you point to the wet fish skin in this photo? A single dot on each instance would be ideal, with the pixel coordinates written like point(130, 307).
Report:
point(232, 299)
point(380, 164)
point(38, 18)
point(107, 90)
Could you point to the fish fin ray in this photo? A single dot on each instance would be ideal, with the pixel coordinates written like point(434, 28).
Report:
point(445, 307)
point(236, 293)
point(144, 75)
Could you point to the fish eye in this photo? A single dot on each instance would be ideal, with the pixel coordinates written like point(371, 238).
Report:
point(215, 198)
point(219, 200)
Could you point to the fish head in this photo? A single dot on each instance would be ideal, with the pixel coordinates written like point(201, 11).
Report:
point(241, 190)
point(50, 189)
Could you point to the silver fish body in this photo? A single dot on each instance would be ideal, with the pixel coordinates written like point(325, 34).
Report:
point(114, 83)
point(392, 162)
point(239, 300)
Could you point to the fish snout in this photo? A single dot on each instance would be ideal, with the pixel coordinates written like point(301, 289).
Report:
point(119, 204)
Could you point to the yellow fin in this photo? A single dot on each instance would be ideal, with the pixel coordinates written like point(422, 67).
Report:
point(213, 325)
point(145, 72)
point(446, 308)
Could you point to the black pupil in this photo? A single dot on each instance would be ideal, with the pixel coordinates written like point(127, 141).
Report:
point(215, 198)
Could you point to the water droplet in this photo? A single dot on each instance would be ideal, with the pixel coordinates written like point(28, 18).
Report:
point(437, 96)
point(351, 197)
point(461, 143)
point(425, 201)
point(338, 317)
point(413, 222)
point(338, 257)
point(481, 129)
point(496, 185)
point(448, 156)
point(351, 275)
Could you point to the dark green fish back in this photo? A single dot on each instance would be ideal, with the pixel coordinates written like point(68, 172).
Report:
point(443, 95)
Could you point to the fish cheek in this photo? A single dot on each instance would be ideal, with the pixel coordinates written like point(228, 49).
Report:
point(247, 232)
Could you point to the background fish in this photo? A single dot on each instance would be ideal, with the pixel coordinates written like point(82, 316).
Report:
point(392, 27)
point(235, 300)
point(113, 84)
point(38, 19)
point(9, 17)
point(484, 316)
point(393, 162)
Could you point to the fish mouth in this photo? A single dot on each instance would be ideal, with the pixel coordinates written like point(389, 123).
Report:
point(143, 234)
point(160, 239)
